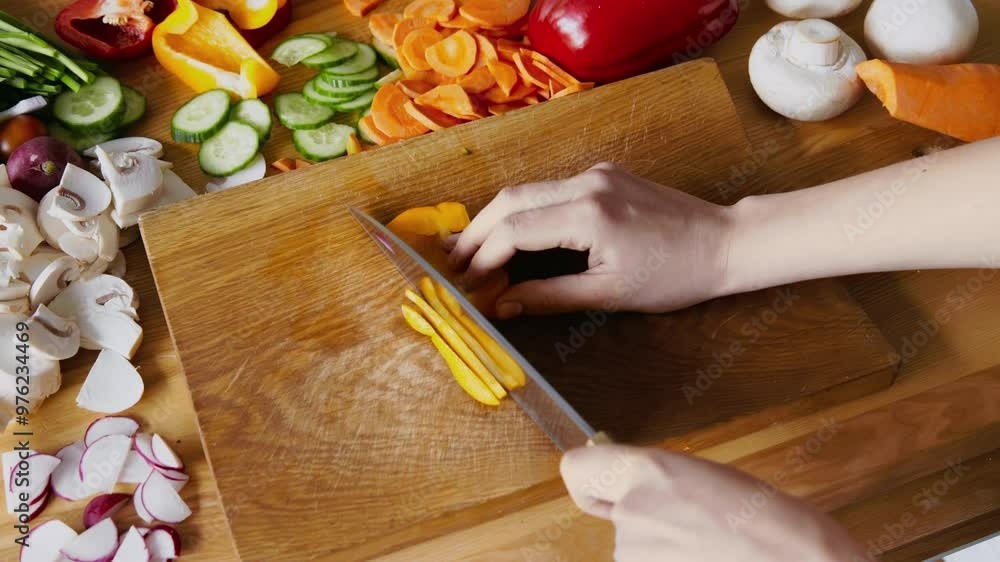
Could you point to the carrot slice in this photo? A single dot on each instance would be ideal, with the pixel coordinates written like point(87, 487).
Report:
point(501, 108)
point(360, 7)
point(440, 10)
point(283, 165)
point(454, 55)
point(451, 99)
point(405, 26)
point(353, 144)
point(382, 25)
point(572, 89)
point(546, 65)
point(367, 127)
point(299, 164)
point(413, 88)
point(460, 22)
point(507, 48)
point(416, 43)
point(495, 13)
point(431, 118)
point(479, 80)
point(486, 51)
point(529, 73)
point(389, 115)
point(496, 95)
point(504, 74)
point(531, 99)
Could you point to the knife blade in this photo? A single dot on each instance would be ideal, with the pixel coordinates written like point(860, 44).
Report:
point(539, 400)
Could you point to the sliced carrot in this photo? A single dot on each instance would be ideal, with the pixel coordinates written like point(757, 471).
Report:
point(440, 10)
point(367, 127)
point(414, 88)
point(504, 74)
point(479, 80)
point(496, 95)
point(572, 89)
point(389, 115)
point(431, 118)
point(451, 99)
point(454, 55)
point(460, 22)
point(353, 144)
point(360, 7)
point(506, 49)
point(382, 25)
point(486, 51)
point(530, 73)
point(283, 165)
point(405, 26)
point(531, 99)
point(501, 108)
point(299, 164)
point(544, 64)
point(416, 43)
point(495, 13)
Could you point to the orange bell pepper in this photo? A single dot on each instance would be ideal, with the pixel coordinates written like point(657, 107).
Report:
point(246, 15)
point(205, 51)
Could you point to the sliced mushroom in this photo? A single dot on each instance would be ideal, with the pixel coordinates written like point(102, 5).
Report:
point(117, 266)
point(80, 195)
point(18, 231)
point(84, 240)
point(39, 260)
point(174, 190)
point(4, 179)
point(10, 268)
point(16, 306)
point(135, 179)
point(128, 145)
point(127, 236)
point(15, 289)
point(104, 308)
point(45, 375)
point(53, 279)
point(51, 335)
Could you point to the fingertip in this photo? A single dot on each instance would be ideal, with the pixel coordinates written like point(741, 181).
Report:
point(509, 309)
point(448, 244)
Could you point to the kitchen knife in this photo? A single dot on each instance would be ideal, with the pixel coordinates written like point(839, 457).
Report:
point(550, 411)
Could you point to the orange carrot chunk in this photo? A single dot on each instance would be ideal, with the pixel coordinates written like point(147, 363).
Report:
point(299, 164)
point(495, 13)
point(283, 165)
point(496, 95)
point(440, 10)
point(432, 118)
point(451, 99)
point(382, 25)
point(360, 7)
point(477, 81)
point(367, 127)
point(572, 89)
point(486, 50)
point(544, 64)
point(529, 73)
point(413, 88)
point(460, 22)
point(453, 56)
point(504, 74)
point(959, 100)
point(405, 26)
point(389, 115)
point(416, 43)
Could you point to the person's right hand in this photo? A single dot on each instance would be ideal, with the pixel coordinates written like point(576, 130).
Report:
point(652, 248)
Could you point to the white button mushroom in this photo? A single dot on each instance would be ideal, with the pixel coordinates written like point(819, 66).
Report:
point(80, 195)
point(127, 145)
point(16, 306)
point(52, 335)
point(804, 70)
point(19, 233)
point(802, 9)
point(174, 190)
point(135, 179)
point(922, 31)
point(86, 240)
point(104, 309)
point(45, 374)
point(53, 279)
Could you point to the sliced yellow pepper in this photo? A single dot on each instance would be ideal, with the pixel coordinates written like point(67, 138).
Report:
point(248, 14)
point(443, 220)
point(467, 379)
point(205, 51)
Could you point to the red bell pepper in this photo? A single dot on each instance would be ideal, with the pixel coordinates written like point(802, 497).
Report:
point(602, 40)
point(112, 29)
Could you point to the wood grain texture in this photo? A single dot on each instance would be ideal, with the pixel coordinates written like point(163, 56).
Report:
point(393, 424)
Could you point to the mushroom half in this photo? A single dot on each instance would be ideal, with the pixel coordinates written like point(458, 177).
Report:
point(104, 307)
point(85, 240)
point(135, 179)
point(53, 280)
point(174, 190)
point(18, 231)
point(45, 374)
point(80, 195)
point(128, 145)
point(52, 335)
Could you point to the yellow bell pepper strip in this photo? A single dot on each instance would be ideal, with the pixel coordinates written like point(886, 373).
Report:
point(245, 14)
point(443, 220)
point(204, 50)
point(457, 344)
point(468, 380)
point(510, 373)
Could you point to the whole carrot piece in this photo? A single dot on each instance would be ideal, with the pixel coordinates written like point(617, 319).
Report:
point(959, 100)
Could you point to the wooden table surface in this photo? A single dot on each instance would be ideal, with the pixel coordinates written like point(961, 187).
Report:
point(890, 461)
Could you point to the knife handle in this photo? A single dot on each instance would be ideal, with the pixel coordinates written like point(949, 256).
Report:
point(599, 438)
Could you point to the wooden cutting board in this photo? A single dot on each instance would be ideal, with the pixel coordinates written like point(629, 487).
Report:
point(329, 424)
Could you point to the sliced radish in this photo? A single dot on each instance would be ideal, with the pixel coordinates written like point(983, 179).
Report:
point(36, 508)
point(143, 444)
point(113, 385)
point(164, 456)
point(173, 534)
point(96, 544)
point(162, 544)
point(102, 462)
point(136, 469)
point(132, 548)
point(66, 481)
point(162, 501)
point(30, 477)
point(139, 508)
point(110, 425)
point(45, 541)
point(102, 507)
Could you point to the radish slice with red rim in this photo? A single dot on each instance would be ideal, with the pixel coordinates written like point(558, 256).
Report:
point(110, 425)
point(173, 534)
point(96, 544)
point(36, 508)
point(164, 456)
point(102, 462)
point(102, 507)
point(143, 444)
point(132, 548)
point(161, 544)
point(39, 468)
point(45, 541)
point(136, 469)
point(66, 481)
point(162, 501)
point(140, 509)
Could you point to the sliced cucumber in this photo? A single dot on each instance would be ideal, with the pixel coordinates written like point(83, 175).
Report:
point(363, 60)
point(361, 102)
point(295, 49)
point(201, 117)
point(340, 51)
point(324, 143)
point(296, 112)
point(312, 93)
point(363, 77)
point(135, 106)
point(255, 113)
point(392, 77)
point(230, 150)
point(387, 53)
point(323, 85)
point(79, 141)
point(96, 108)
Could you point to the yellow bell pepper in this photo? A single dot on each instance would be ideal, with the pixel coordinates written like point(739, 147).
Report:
point(204, 50)
point(247, 14)
point(443, 220)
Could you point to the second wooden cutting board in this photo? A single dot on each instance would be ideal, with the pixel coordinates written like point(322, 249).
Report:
point(330, 425)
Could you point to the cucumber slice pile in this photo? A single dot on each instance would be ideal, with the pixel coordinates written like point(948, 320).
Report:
point(230, 150)
point(201, 117)
point(256, 114)
point(231, 137)
point(323, 143)
point(98, 109)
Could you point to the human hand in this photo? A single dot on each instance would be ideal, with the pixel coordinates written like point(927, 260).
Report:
point(651, 248)
point(670, 506)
